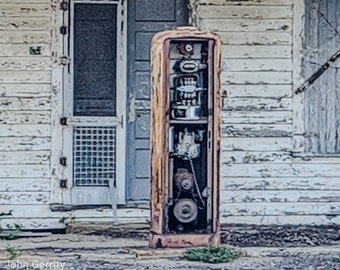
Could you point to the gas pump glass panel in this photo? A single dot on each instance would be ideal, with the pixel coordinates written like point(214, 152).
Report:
point(189, 99)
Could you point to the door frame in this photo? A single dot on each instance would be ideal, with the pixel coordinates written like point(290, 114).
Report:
point(121, 92)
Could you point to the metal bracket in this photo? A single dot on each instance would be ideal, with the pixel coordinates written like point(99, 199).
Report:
point(63, 121)
point(64, 60)
point(64, 5)
point(63, 161)
point(63, 30)
point(63, 183)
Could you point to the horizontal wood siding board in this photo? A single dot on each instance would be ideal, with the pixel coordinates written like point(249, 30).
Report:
point(25, 63)
point(25, 184)
point(25, 10)
point(24, 90)
point(279, 170)
point(258, 90)
point(247, 3)
point(281, 183)
point(282, 220)
point(254, 38)
point(253, 64)
point(25, 104)
point(256, 144)
point(25, 37)
point(256, 130)
point(25, 130)
point(256, 117)
point(245, 157)
point(245, 12)
point(44, 211)
point(256, 51)
point(264, 77)
point(280, 209)
point(25, 144)
point(24, 171)
point(25, 117)
point(33, 223)
point(279, 196)
point(27, 24)
point(25, 157)
point(24, 197)
point(257, 104)
point(25, 77)
point(243, 25)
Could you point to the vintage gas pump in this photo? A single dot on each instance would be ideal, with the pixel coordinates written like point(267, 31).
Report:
point(185, 138)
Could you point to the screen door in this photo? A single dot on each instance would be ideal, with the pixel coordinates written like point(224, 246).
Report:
point(94, 103)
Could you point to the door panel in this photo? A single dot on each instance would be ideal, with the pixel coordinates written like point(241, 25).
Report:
point(95, 130)
point(146, 17)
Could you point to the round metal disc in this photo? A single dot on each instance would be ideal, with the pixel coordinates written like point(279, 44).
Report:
point(185, 210)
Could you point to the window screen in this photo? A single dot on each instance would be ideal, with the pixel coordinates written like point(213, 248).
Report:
point(94, 54)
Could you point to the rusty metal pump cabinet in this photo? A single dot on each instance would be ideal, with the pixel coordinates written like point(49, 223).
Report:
point(186, 109)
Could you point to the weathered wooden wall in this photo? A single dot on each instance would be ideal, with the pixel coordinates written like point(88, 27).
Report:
point(262, 181)
point(25, 110)
point(30, 101)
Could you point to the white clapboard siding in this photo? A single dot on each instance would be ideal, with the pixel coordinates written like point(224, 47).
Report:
point(280, 183)
point(245, 157)
point(25, 77)
point(32, 223)
point(22, 198)
point(254, 38)
point(280, 209)
point(256, 144)
point(25, 117)
point(245, 25)
point(25, 63)
point(24, 171)
point(44, 211)
point(24, 157)
point(255, 3)
point(282, 220)
point(25, 144)
point(25, 184)
point(26, 10)
point(245, 12)
point(257, 104)
point(24, 50)
point(23, 104)
point(25, 90)
point(25, 37)
point(256, 117)
point(280, 196)
point(254, 77)
point(254, 51)
point(253, 64)
point(279, 170)
point(258, 90)
point(41, 130)
point(256, 130)
point(21, 23)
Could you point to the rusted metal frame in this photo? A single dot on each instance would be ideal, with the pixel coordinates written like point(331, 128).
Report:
point(157, 236)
